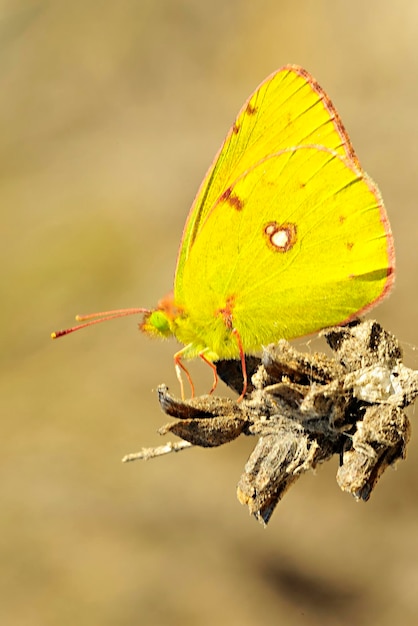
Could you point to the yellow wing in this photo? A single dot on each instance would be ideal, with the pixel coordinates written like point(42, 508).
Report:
point(288, 109)
point(298, 242)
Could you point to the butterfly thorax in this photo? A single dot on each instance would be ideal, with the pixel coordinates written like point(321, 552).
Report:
point(210, 333)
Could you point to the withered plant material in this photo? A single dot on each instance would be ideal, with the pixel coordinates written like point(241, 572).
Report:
point(304, 408)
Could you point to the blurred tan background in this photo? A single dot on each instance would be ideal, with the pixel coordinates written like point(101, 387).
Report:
point(110, 113)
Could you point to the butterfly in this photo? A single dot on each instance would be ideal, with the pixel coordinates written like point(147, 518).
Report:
point(287, 234)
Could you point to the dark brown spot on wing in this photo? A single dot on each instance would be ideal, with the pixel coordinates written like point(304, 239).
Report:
point(249, 110)
point(232, 199)
point(226, 312)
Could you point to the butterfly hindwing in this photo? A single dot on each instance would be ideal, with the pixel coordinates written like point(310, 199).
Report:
point(300, 241)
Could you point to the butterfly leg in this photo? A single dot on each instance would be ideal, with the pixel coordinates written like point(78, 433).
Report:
point(213, 367)
point(243, 365)
point(227, 313)
point(178, 366)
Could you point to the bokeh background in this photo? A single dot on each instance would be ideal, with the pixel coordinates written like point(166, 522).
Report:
point(110, 113)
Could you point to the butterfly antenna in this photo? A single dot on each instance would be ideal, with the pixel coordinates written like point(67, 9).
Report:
point(97, 318)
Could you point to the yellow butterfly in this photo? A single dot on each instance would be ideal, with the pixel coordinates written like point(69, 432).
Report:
point(287, 234)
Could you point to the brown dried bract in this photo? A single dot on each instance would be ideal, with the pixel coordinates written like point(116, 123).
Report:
point(304, 408)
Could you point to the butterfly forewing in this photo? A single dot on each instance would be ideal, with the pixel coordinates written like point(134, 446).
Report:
point(288, 109)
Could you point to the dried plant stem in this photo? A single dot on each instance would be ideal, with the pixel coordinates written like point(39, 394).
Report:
point(151, 453)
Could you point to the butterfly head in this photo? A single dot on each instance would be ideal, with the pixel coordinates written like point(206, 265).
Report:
point(161, 322)
point(156, 323)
